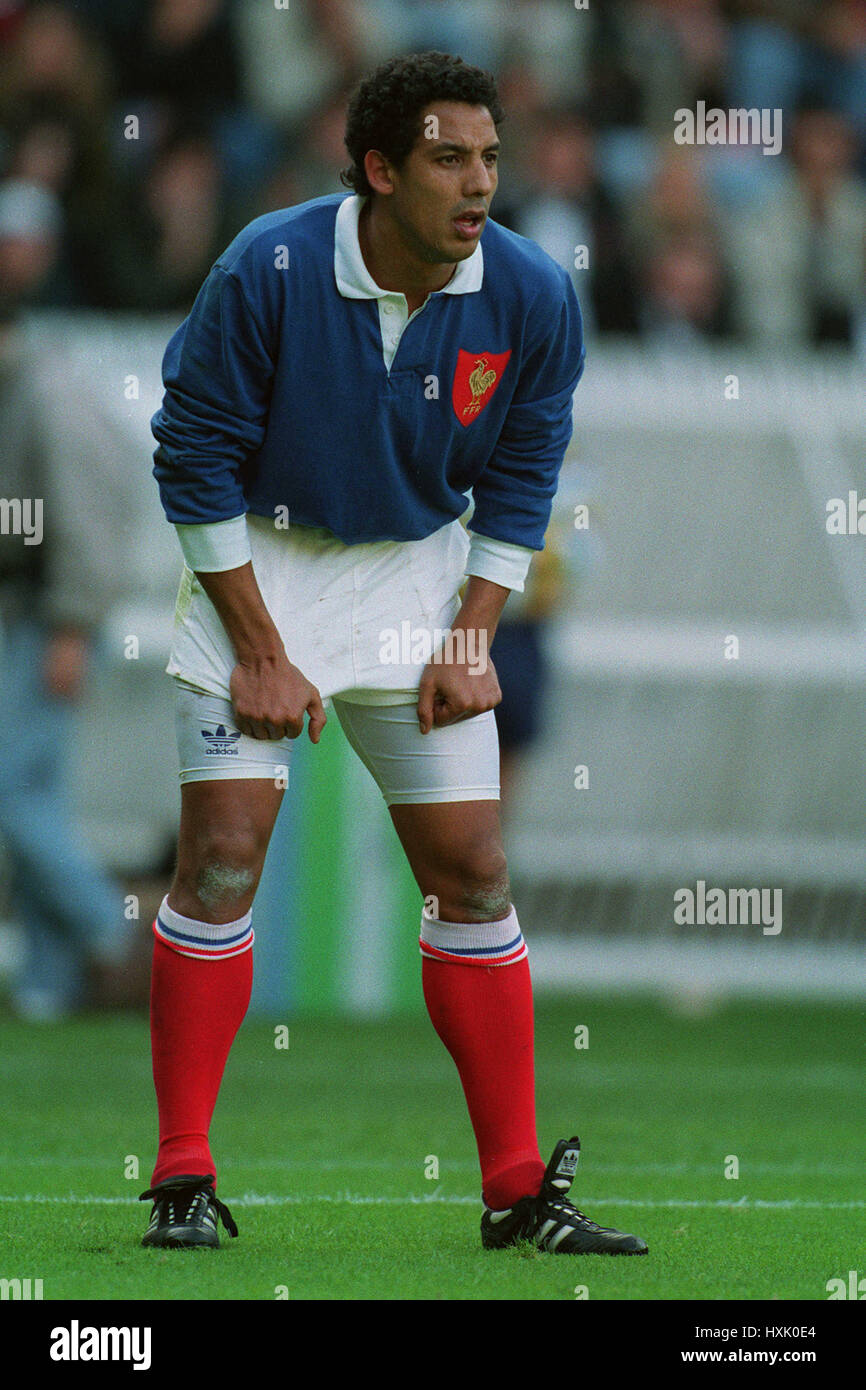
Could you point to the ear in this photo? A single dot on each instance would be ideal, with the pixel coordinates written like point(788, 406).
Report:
point(379, 172)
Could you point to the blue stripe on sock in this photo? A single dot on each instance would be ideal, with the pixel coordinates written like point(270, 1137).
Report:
point(200, 941)
point(476, 950)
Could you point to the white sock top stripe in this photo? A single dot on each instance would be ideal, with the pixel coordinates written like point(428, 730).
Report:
point(473, 940)
point(180, 931)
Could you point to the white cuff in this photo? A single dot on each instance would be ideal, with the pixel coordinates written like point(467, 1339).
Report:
point(215, 545)
point(499, 561)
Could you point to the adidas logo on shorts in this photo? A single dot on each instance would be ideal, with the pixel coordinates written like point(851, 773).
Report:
point(221, 742)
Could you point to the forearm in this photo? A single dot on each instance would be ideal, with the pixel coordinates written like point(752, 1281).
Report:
point(236, 596)
point(482, 606)
point(464, 685)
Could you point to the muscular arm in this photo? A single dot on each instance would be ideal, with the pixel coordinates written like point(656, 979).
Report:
point(513, 498)
point(269, 694)
point(458, 689)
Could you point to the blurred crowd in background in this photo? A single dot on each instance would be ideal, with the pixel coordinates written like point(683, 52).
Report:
point(138, 136)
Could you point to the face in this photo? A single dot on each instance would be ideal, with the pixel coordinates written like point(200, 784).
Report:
point(440, 196)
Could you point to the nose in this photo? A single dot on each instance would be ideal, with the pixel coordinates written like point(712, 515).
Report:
point(480, 178)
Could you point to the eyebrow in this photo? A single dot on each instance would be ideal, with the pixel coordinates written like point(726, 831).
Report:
point(443, 146)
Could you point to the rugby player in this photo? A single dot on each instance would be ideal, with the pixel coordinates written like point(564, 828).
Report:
point(350, 370)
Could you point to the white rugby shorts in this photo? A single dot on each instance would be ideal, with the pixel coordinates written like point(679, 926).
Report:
point(360, 622)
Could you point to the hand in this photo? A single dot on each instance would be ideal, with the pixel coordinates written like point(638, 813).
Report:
point(450, 692)
point(271, 696)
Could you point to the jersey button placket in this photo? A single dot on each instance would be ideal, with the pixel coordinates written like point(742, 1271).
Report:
point(392, 329)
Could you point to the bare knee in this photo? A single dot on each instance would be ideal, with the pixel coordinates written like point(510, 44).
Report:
point(220, 875)
point(219, 883)
point(486, 892)
point(476, 887)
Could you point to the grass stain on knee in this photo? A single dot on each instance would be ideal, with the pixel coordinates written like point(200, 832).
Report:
point(222, 883)
point(488, 903)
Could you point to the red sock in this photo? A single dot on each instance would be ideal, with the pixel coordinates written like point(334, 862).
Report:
point(196, 1008)
point(484, 1016)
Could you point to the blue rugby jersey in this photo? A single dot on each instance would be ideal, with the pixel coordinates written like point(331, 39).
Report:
point(278, 394)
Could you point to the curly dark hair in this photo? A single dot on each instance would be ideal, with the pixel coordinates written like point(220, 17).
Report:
point(386, 107)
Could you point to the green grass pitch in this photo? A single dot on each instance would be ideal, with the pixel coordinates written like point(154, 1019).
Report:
point(329, 1150)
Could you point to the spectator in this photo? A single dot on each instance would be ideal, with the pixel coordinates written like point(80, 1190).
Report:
point(799, 259)
point(473, 28)
point(183, 221)
point(675, 248)
point(183, 58)
point(77, 939)
point(567, 211)
point(519, 656)
point(839, 69)
point(683, 300)
point(551, 43)
point(53, 144)
point(657, 55)
point(292, 58)
point(322, 153)
point(31, 227)
point(52, 55)
point(259, 93)
point(521, 648)
point(282, 189)
point(769, 53)
point(677, 203)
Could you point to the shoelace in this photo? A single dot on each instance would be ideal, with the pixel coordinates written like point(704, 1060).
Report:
point(562, 1205)
point(160, 1194)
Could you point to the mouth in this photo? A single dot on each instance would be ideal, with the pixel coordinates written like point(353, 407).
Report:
point(470, 224)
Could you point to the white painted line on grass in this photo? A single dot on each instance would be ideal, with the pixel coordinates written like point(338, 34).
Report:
point(252, 1199)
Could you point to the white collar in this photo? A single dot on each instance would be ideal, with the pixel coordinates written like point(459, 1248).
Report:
point(354, 280)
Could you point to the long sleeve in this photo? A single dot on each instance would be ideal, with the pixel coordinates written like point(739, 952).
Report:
point(514, 495)
point(499, 561)
point(215, 545)
point(218, 370)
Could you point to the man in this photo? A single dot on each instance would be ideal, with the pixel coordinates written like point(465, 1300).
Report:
point(54, 593)
point(355, 365)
